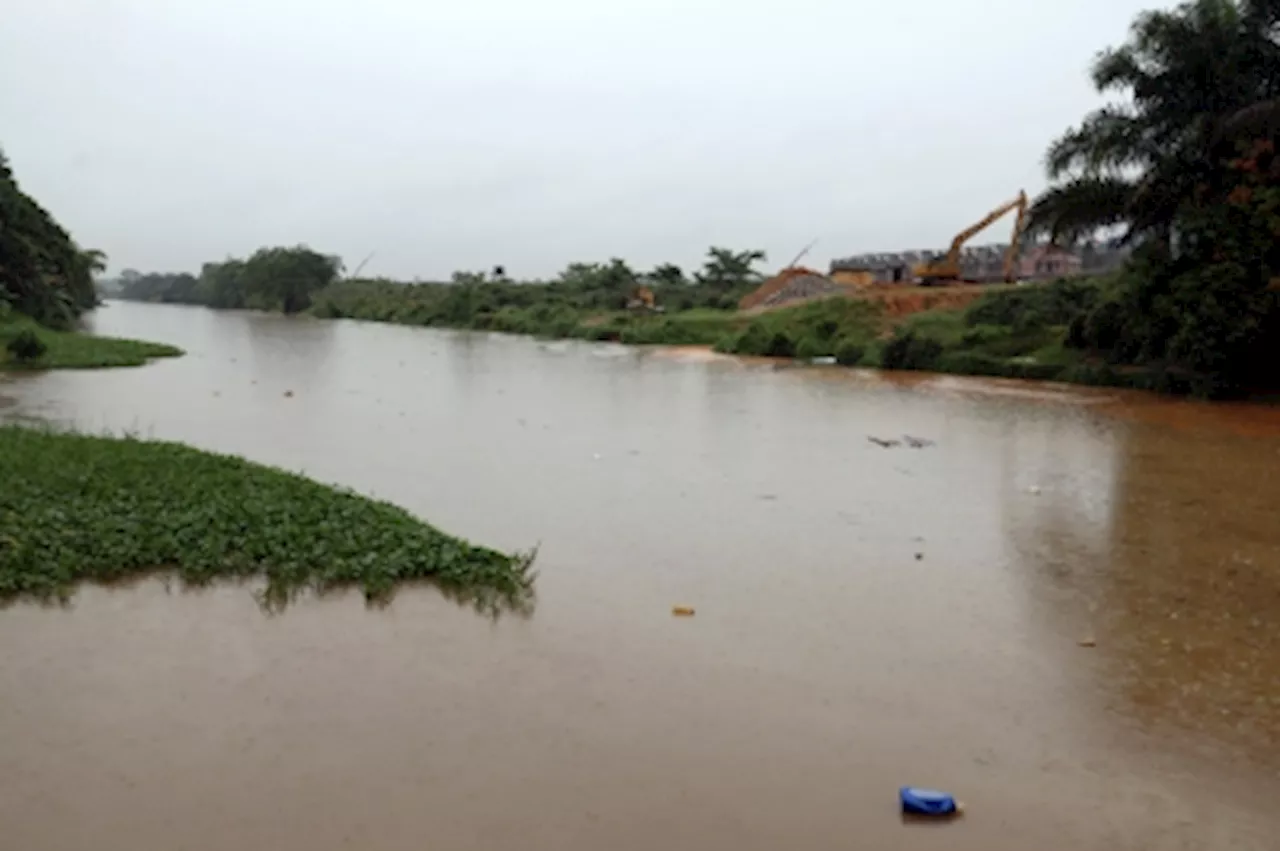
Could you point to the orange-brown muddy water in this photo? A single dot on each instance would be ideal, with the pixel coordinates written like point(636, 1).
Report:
point(826, 665)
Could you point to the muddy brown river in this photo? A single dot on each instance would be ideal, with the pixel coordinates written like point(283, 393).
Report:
point(1066, 611)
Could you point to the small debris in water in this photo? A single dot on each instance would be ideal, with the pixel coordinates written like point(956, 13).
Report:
point(288, 394)
point(882, 443)
point(1088, 642)
point(916, 442)
point(919, 556)
point(1034, 490)
point(928, 802)
point(682, 611)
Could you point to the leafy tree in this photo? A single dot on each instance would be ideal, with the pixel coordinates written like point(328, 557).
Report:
point(667, 274)
point(1191, 83)
point(285, 278)
point(222, 284)
point(43, 273)
point(725, 269)
point(1186, 164)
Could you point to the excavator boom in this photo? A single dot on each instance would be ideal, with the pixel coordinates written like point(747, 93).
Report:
point(949, 267)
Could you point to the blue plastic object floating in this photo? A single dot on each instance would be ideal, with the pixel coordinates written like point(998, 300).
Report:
point(927, 802)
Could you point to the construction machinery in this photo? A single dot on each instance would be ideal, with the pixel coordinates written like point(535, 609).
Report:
point(642, 298)
point(947, 269)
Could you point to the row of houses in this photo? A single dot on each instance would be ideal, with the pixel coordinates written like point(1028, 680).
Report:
point(986, 263)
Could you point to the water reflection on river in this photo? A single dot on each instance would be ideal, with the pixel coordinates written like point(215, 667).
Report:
point(826, 664)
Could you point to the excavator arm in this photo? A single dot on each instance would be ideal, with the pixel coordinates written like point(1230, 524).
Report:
point(1019, 203)
point(1015, 241)
point(949, 266)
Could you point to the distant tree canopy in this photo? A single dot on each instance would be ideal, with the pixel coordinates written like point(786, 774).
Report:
point(290, 279)
point(43, 273)
point(271, 279)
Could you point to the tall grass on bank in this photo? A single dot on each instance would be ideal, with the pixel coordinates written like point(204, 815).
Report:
point(76, 507)
point(70, 349)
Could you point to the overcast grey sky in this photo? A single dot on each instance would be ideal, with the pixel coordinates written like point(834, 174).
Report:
point(531, 133)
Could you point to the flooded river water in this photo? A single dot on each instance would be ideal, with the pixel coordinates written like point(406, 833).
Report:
point(1066, 610)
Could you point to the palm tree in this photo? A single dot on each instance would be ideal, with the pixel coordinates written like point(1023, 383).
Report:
point(1194, 82)
point(94, 259)
point(725, 268)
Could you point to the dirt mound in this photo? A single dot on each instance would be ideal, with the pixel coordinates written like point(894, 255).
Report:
point(795, 283)
point(896, 302)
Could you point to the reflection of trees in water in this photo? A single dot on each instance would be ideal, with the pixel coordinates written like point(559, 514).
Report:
point(1179, 557)
point(1191, 595)
point(289, 348)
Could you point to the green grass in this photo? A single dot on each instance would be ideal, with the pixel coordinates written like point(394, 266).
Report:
point(76, 507)
point(835, 327)
point(73, 350)
point(1011, 331)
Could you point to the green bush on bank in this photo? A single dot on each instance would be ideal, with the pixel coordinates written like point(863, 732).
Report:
point(850, 352)
point(816, 329)
point(27, 345)
point(77, 508)
point(911, 351)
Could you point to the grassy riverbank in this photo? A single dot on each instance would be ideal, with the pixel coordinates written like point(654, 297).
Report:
point(77, 507)
point(1027, 332)
point(72, 349)
point(810, 330)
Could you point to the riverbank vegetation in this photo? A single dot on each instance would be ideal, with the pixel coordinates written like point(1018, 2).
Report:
point(25, 344)
point(78, 508)
point(46, 282)
point(43, 273)
point(1181, 167)
point(280, 278)
point(1183, 163)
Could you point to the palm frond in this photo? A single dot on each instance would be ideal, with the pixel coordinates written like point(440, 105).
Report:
point(1080, 207)
point(1108, 139)
point(1259, 120)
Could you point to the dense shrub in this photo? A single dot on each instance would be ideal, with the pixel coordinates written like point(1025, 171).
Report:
point(1035, 306)
point(812, 347)
point(849, 352)
point(780, 345)
point(26, 345)
point(908, 350)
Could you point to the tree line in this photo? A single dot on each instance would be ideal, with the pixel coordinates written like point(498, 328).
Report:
point(281, 278)
point(295, 279)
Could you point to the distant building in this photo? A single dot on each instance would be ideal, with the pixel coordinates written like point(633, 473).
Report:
point(1047, 262)
point(985, 263)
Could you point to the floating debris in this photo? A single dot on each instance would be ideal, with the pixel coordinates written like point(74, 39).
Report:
point(882, 443)
point(683, 611)
point(928, 802)
point(917, 442)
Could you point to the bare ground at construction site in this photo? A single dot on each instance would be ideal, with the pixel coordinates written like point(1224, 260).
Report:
point(898, 301)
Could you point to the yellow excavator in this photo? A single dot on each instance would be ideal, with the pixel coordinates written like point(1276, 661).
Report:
point(947, 269)
point(642, 298)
